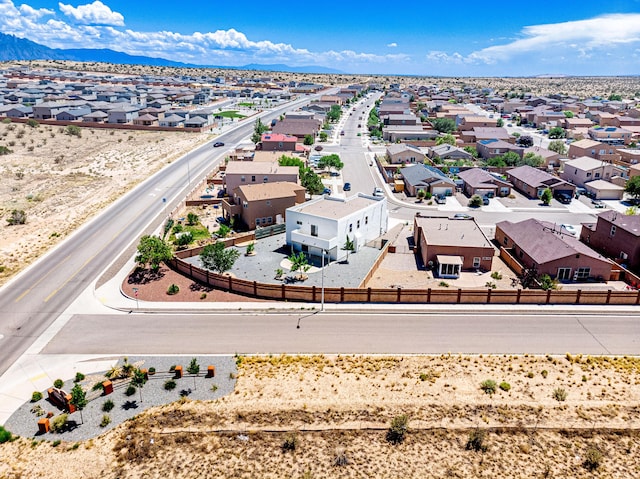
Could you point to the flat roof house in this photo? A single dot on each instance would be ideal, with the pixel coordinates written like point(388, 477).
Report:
point(545, 248)
point(324, 223)
point(451, 246)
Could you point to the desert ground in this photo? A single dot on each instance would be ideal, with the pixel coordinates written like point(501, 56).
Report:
point(329, 416)
point(62, 180)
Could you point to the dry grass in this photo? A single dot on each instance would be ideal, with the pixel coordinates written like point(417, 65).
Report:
point(60, 181)
point(339, 409)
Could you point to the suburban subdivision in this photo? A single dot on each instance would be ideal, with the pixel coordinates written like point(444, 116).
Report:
point(282, 275)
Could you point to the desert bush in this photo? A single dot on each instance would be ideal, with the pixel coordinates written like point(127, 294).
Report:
point(107, 405)
point(5, 436)
point(398, 429)
point(131, 390)
point(488, 386)
point(341, 458)
point(58, 383)
point(505, 386)
point(79, 377)
point(444, 284)
point(73, 130)
point(290, 442)
point(173, 289)
point(32, 123)
point(18, 217)
point(152, 371)
point(5, 150)
point(203, 296)
point(97, 386)
point(59, 423)
point(560, 394)
point(170, 384)
point(56, 443)
point(496, 275)
point(476, 439)
point(36, 396)
point(106, 420)
point(592, 458)
point(544, 373)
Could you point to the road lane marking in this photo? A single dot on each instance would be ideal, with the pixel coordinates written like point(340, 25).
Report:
point(27, 291)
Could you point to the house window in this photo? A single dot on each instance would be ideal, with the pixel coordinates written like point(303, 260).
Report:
point(253, 178)
point(358, 224)
point(588, 175)
point(242, 178)
point(257, 221)
point(564, 274)
point(350, 227)
point(603, 152)
point(265, 179)
point(597, 175)
point(314, 230)
point(269, 220)
point(366, 220)
point(245, 204)
point(613, 230)
point(521, 254)
point(299, 223)
point(623, 255)
point(505, 241)
point(476, 262)
point(582, 273)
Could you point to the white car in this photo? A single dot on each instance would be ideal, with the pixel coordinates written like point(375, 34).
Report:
point(378, 191)
point(569, 229)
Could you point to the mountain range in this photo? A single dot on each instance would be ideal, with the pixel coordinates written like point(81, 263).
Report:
point(14, 48)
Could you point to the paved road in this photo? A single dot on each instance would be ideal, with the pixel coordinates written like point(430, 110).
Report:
point(348, 333)
point(34, 299)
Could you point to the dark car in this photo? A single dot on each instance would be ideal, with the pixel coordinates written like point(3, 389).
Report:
point(217, 144)
point(326, 191)
point(440, 199)
point(485, 200)
point(342, 133)
point(564, 198)
point(597, 203)
point(347, 187)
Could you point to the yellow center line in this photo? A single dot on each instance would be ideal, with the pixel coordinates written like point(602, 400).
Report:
point(27, 291)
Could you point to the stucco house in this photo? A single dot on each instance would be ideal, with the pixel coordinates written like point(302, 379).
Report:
point(324, 223)
point(546, 248)
point(239, 173)
point(450, 246)
point(278, 142)
point(401, 153)
point(428, 178)
point(532, 182)
point(481, 182)
point(493, 147)
point(585, 169)
point(593, 149)
point(449, 152)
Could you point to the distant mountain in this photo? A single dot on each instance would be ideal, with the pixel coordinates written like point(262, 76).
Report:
point(14, 48)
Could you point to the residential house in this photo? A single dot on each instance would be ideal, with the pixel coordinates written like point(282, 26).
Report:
point(615, 235)
point(278, 142)
point(451, 246)
point(447, 152)
point(492, 148)
point(532, 182)
point(122, 114)
point(551, 158)
point(401, 153)
point(585, 169)
point(16, 111)
point(401, 119)
point(240, 173)
point(477, 134)
point(73, 114)
point(481, 182)
point(321, 226)
point(606, 190)
point(593, 149)
point(611, 135)
point(297, 128)
point(428, 178)
point(173, 120)
point(466, 122)
point(146, 120)
point(546, 248)
point(394, 133)
point(262, 204)
point(629, 156)
point(95, 117)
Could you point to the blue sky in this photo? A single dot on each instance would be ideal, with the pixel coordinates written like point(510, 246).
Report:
point(424, 37)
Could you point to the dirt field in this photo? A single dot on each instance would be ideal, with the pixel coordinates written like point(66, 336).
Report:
point(61, 180)
point(333, 413)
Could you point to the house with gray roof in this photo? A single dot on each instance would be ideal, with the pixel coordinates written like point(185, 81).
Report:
point(481, 182)
point(494, 147)
point(401, 153)
point(532, 182)
point(449, 152)
point(123, 113)
point(428, 178)
point(546, 248)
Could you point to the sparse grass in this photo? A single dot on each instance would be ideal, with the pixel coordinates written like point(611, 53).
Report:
point(488, 386)
point(560, 394)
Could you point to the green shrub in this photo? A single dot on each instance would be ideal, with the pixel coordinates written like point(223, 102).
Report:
point(106, 420)
point(592, 458)
point(152, 371)
point(173, 289)
point(560, 394)
point(5, 436)
point(476, 439)
point(58, 383)
point(170, 384)
point(131, 390)
point(544, 373)
point(36, 396)
point(79, 377)
point(398, 429)
point(496, 275)
point(97, 386)
point(488, 386)
point(530, 374)
point(290, 442)
point(107, 405)
point(59, 423)
point(56, 443)
point(505, 386)
point(172, 368)
point(443, 284)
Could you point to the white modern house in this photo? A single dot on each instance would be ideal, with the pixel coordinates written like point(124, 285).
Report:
point(324, 223)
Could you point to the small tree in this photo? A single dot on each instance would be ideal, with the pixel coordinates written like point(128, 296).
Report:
point(152, 250)
point(556, 132)
point(398, 429)
point(223, 231)
point(500, 122)
point(299, 262)
point(323, 136)
point(138, 380)
point(558, 146)
point(633, 187)
point(194, 368)
point(446, 139)
point(218, 258)
point(167, 227)
point(184, 238)
point(79, 399)
point(444, 125)
point(475, 201)
point(546, 196)
point(73, 130)
point(525, 141)
point(192, 219)
point(308, 140)
point(421, 195)
point(348, 247)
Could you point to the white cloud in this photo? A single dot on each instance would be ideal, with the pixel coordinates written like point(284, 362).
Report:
point(96, 13)
point(29, 11)
point(392, 45)
point(444, 57)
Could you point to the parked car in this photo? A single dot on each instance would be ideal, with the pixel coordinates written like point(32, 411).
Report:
point(440, 199)
point(462, 216)
point(485, 200)
point(570, 229)
point(217, 144)
point(597, 203)
point(378, 191)
point(326, 191)
point(346, 187)
point(342, 133)
point(564, 198)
